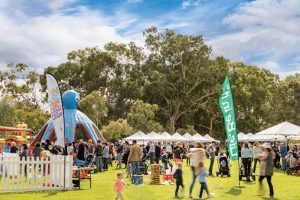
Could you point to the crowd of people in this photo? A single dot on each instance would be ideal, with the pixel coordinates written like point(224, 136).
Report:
point(123, 154)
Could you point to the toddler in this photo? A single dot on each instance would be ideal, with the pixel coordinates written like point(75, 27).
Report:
point(179, 180)
point(203, 173)
point(119, 186)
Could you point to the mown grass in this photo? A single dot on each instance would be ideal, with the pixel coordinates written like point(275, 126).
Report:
point(286, 188)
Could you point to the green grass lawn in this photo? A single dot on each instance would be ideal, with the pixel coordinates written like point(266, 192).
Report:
point(286, 187)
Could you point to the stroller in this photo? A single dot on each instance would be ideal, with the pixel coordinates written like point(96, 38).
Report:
point(243, 173)
point(143, 166)
point(294, 170)
point(223, 166)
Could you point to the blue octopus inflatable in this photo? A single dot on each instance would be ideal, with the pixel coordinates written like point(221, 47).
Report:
point(74, 119)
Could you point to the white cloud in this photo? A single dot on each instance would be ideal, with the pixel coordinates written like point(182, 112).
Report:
point(42, 40)
point(190, 3)
point(262, 32)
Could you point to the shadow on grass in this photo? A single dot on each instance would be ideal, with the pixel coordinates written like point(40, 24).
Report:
point(235, 191)
point(48, 193)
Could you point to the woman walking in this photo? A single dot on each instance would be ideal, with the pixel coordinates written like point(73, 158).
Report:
point(197, 155)
point(256, 151)
point(246, 154)
point(266, 166)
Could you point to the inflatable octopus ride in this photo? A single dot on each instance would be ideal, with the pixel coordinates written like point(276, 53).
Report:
point(74, 121)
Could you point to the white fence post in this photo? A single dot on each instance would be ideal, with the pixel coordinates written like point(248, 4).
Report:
point(31, 174)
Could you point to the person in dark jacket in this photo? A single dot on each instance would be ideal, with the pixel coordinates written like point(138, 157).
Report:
point(37, 151)
point(81, 150)
point(178, 175)
point(13, 148)
point(99, 154)
point(157, 153)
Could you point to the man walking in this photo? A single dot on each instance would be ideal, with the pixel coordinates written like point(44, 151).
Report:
point(99, 154)
point(211, 149)
point(119, 154)
point(134, 157)
point(152, 152)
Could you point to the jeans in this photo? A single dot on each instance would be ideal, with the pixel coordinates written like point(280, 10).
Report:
point(212, 160)
point(135, 167)
point(261, 178)
point(203, 187)
point(194, 177)
point(178, 184)
point(105, 163)
point(255, 162)
point(119, 160)
point(99, 163)
point(247, 166)
point(284, 164)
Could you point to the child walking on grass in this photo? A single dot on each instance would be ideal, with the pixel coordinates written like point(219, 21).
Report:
point(179, 180)
point(203, 173)
point(119, 186)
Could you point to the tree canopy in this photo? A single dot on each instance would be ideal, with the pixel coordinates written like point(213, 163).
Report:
point(170, 83)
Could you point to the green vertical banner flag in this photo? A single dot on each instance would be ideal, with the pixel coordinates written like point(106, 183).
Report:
point(227, 107)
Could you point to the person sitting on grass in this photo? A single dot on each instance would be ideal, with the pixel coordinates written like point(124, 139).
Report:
point(178, 175)
point(202, 180)
point(119, 186)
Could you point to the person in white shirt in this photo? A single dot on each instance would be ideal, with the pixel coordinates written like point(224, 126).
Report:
point(256, 151)
point(247, 155)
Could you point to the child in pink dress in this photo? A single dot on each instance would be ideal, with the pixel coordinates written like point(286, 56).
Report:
point(119, 186)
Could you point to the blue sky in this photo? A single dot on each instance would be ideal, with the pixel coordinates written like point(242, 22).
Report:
point(259, 32)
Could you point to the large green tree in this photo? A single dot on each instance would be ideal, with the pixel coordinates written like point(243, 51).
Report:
point(142, 117)
point(116, 130)
point(180, 73)
point(94, 106)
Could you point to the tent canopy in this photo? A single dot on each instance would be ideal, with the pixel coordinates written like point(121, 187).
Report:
point(178, 138)
point(211, 139)
point(154, 136)
point(188, 137)
point(199, 138)
point(138, 136)
point(285, 129)
point(166, 137)
point(294, 137)
point(242, 137)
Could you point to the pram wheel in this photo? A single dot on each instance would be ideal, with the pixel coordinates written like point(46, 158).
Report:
point(221, 173)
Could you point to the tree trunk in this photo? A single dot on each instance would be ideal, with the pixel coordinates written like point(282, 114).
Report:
point(172, 124)
point(211, 126)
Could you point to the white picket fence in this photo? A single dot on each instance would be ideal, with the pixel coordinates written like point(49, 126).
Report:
point(53, 173)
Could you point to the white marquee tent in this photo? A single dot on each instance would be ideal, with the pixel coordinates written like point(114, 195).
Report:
point(284, 129)
point(154, 136)
point(294, 137)
point(138, 136)
point(178, 138)
point(165, 137)
point(242, 137)
point(199, 138)
point(211, 139)
point(188, 137)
